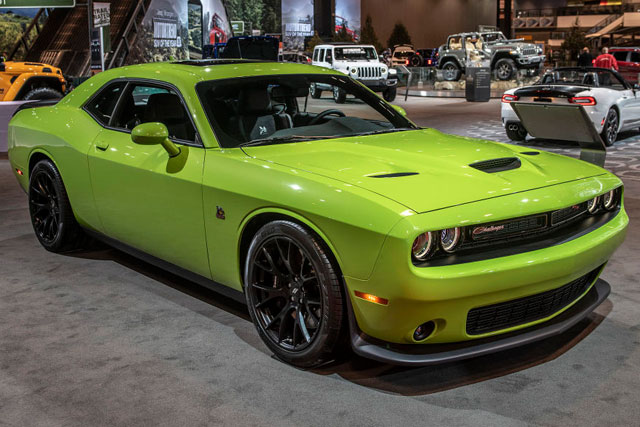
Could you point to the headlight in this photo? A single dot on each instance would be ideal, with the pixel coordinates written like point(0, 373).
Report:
point(423, 246)
point(449, 239)
point(383, 70)
point(593, 204)
point(609, 200)
point(353, 70)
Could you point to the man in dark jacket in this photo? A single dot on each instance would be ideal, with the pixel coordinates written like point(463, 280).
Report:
point(585, 59)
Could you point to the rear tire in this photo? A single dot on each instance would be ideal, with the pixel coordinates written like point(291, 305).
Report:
point(516, 132)
point(294, 294)
point(339, 95)
point(42, 93)
point(315, 92)
point(610, 130)
point(389, 94)
point(51, 215)
point(416, 60)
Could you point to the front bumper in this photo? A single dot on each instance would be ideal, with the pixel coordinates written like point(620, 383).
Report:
point(445, 294)
point(379, 85)
point(412, 355)
point(531, 61)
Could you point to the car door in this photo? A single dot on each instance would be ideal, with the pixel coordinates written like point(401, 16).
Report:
point(633, 70)
point(624, 66)
point(144, 198)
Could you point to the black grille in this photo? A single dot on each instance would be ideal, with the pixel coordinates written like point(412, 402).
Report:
point(498, 231)
point(528, 309)
point(566, 214)
point(497, 165)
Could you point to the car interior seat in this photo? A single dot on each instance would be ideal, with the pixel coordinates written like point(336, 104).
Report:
point(256, 118)
point(590, 79)
point(167, 108)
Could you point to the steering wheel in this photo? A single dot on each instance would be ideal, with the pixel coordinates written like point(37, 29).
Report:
point(325, 113)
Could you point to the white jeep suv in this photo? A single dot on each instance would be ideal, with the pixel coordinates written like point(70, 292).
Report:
point(361, 62)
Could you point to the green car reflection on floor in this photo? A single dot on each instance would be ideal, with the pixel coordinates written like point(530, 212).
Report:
point(334, 226)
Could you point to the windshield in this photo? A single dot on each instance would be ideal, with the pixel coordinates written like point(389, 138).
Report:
point(402, 53)
point(354, 53)
point(583, 77)
point(492, 37)
point(277, 109)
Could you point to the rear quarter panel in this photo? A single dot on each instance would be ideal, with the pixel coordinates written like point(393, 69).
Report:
point(64, 134)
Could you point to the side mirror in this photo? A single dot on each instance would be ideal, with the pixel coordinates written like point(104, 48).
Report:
point(400, 110)
point(154, 133)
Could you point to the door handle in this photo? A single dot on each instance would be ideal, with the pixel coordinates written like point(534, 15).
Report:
point(102, 145)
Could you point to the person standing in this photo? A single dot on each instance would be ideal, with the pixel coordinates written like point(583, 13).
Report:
point(585, 59)
point(606, 60)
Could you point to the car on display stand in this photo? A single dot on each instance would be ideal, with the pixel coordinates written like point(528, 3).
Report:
point(24, 81)
point(612, 103)
point(401, 53)
point(333, 226)
point(358, 61)
point(424, 58)
point(506, 56)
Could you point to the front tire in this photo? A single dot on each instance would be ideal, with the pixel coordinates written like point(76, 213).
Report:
point(516, 132)
point(505, 69)
point(610, 130)
point(51, 214)
point(294, 294)
point(315, 92)
point(389, 94)
point(451, 71)
point(339, 95)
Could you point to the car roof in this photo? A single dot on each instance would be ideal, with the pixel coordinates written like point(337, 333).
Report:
point(342, 44)
point(624, 48)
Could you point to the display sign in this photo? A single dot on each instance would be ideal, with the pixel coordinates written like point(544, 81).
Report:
point(348, 17)
point(297, 23)
point(36, 3)
point(237, 27)
point(101, 14)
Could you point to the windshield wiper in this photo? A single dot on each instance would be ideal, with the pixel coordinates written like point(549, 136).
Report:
point(282, 139)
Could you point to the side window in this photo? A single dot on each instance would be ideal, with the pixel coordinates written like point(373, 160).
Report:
point(321, 55)
point(620, 56)
point(102, 105)
point(635, 56)
point(315, 54)
point(329, 56)
point(144, 102)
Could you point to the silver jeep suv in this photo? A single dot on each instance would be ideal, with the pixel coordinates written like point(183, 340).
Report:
point(506, 56)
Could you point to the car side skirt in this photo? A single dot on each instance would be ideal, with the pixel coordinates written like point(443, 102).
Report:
point(432, 354)
point(171, 268)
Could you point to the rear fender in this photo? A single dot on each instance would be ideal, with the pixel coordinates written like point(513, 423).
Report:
point(21, 85)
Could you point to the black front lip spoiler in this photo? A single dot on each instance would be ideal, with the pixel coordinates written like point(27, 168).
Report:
point(431, 354)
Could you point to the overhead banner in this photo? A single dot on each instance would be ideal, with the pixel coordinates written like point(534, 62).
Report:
point(297, 23)
point(101, 14)
point(348, 16)
point(164, 34)
point(13, 4)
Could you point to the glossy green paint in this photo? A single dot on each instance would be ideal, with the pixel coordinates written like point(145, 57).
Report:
point(166, 206)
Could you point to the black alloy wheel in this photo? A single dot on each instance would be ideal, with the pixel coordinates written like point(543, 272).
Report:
point(51, 214)
point(44, 206)
point(293, 294)
point(610, 130)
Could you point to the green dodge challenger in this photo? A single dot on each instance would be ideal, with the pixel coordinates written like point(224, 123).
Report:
point(337, 227)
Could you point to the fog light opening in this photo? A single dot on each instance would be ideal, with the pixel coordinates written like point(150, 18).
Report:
point(424, 331)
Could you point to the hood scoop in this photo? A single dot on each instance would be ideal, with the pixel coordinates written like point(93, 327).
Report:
point(393, 175)
point(497, 165)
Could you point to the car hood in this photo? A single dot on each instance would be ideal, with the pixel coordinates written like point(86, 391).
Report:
point(425, 169)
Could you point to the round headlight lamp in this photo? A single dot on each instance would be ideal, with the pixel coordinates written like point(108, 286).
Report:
point(593, 204)
point(353, 70)
point(609, 200)
point(450, 238)
point(423, 246)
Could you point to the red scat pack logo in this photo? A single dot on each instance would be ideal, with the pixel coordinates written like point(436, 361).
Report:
point(575, 207)
point(490, 229)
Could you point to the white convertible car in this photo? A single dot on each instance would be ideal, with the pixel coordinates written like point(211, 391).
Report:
point(612, 103)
